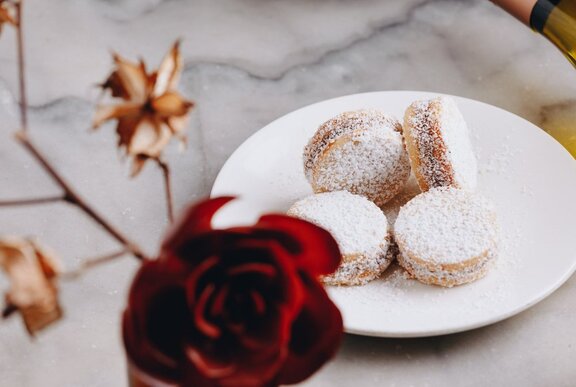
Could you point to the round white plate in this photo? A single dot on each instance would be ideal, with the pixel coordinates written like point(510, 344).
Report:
point(524, 171)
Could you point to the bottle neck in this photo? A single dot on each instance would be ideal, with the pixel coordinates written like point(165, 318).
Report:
point(520, 9)
point(540, 13)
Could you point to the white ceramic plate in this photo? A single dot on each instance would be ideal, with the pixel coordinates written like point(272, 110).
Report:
point(524, 171)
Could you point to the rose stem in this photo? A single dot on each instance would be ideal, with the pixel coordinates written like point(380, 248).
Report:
point(27, 202)
point(72, 197)
point(92, 262)
point(21, 72)
point(168, 189)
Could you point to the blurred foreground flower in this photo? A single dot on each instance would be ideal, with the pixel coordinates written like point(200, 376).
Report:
point(6, 13)
point(152, 112)
point(33, 292)
point(234, 307)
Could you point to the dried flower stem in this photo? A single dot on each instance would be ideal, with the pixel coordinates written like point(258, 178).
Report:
point(8, 310)
point(92, 262)
point(72, 197)
point(21, 67)
point(29, 202)
point(168, 189)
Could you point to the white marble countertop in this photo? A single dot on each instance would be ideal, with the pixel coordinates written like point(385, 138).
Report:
point(247, 63)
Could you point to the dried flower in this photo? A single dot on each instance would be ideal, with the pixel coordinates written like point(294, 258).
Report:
point(6, 13)
point(152, 112)
point(32, 271)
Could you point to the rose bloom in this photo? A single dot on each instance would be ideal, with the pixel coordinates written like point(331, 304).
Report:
point(234, 307)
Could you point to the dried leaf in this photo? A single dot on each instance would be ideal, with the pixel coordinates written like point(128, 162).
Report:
point(153, 111)
point(32, 271)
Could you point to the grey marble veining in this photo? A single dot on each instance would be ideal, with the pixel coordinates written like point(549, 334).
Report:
point(247, 63)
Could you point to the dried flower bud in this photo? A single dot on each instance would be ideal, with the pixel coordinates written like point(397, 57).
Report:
point(152, 111)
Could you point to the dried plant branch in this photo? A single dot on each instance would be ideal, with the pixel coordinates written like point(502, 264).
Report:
point(167, 188)
point(72, 197)
point(33, 201)
point(8, 310)
point(21, 67)
point(93, 262)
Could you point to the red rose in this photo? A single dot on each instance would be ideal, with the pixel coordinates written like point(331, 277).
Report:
point(234, 307)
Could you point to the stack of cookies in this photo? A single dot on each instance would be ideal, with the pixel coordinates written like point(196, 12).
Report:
point(360, 163)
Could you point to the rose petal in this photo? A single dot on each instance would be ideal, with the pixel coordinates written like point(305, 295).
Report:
point(197, 219)
point(315, 249)
point(245, 371)
point(202, 323)
point(156, 318)
point(316, 335)
point(287, 282)
point(258, 268)
point(169, 71)
point(255, 336)
point(211, 367)
point(238, 247)
point(258, 301)
point(285, 294)
point(200, 272)
point(217, 307)
point(197, 298)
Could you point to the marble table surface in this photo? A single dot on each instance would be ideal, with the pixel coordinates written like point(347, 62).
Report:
point(247, 63)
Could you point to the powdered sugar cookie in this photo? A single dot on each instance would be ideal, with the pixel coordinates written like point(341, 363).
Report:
point(362, 152)
point(359, 227)
point(439, 145)
point(446, 236)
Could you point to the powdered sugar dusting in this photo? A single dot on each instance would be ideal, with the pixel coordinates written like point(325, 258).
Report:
point(498, 161)
point(447, 225)
point(346, 122)
point(359, 227)
point(442, 151)
point(458, 145)
point(392, 208)
point(362, 152)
